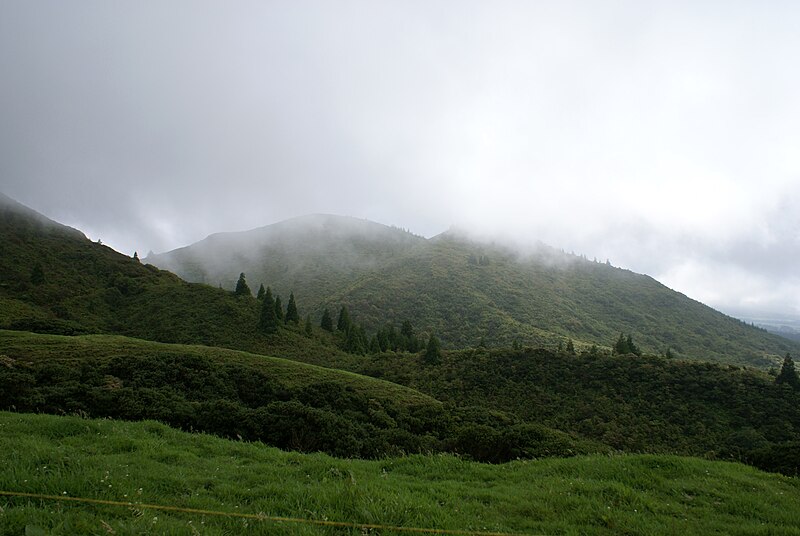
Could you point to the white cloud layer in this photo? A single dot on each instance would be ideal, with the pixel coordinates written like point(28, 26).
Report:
point(661, 135)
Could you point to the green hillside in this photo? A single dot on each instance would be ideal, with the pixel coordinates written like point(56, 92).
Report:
point(464, 291)
point(148, 463)
point(280, 402)
point(54, 280)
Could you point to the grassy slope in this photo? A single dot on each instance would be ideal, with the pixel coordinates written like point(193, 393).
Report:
point(150, 463)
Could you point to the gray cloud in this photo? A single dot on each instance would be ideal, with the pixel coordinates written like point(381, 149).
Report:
point(661, 135)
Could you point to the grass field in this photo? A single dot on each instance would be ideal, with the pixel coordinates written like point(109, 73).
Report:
point(152, 464)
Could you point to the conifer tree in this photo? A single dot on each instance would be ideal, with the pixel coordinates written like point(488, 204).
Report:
point(570, 347)
point(279, 309)
point(261, 292)
point(291, 310)
point(136, 256)
point(343, 322)
point(327, 322)
point(241, 287)
point(308, 329)
point(788, 374)
point(268, 322)
point(433, 353)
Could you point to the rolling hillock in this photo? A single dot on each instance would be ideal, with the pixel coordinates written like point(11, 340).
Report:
point(279, 402)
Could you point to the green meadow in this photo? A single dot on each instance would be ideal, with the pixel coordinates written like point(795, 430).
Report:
point(149, 463)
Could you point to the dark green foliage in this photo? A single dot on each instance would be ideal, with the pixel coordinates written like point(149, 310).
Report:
point(307, 328)
point(241, 287)
point(570, 347)
point(343, 322)
point(433, 353)
point(37, 274)
point(788, 374)
point(231, 394)
point(279, 310)
point(136, 256)
point(327, 322)
point(291, 310)
point(261, 292)
point(268, 321)
point(648, 404)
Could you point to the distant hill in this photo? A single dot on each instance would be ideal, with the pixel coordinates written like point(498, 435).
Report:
point(465, 291)
point(314, 256)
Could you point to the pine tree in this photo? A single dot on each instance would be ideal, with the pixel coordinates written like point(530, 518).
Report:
point(433, 353)
point(570, 347)
point(268, 322)
point(327, 322)
point(136, 256)
point(261, 292)
point(291, 310)
point(621, 346)
point(241, 287)
point(788, 374)
point(343, 323)
point(279, 309)
point(308, 329)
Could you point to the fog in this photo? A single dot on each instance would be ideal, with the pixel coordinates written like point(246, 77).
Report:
point(659, 135)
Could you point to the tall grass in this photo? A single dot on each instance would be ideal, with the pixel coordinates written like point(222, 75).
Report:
point(151, 463)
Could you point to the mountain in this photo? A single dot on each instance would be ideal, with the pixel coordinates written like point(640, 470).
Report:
point(464, 290)
point(313, 256)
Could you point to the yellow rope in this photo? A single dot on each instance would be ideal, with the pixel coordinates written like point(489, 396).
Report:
point(258, 517)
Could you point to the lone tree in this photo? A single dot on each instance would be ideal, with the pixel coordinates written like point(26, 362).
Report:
point(241, 287)
point(291, 310)
point(327, 322)
point(343, 323)
point(788, 374)
point(261, 292)
point(136, 256)
point(268, 322)
point(433, 353)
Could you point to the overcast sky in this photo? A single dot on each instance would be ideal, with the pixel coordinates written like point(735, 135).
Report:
point(664, 136)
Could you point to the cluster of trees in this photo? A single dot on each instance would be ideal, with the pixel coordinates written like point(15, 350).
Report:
point(648, 404)
point(386, 339)
point(625, 345)
point(272, 314)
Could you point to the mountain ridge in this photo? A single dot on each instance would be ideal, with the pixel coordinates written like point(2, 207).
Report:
point(465, 290)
